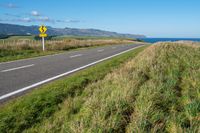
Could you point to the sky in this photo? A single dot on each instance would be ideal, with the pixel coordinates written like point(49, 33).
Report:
point(153, 18)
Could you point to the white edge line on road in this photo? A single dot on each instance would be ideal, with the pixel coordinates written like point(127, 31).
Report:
point(61, 75)
point(78, 55)
point(17, 68)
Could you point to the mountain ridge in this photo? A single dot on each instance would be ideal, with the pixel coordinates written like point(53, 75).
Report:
point(14, 29)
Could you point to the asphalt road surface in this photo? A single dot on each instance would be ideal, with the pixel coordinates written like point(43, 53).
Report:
point(20, 76)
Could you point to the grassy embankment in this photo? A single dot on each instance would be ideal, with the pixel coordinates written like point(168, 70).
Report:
point(41, 104)
point(158, 91)
point(19, 47)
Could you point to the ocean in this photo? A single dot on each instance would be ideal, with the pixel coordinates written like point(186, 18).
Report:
point(154, 40)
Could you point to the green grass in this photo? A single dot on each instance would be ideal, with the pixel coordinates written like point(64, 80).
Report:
point(157, 91)
point(41, 104)
point(32, 37)
point(21, 37)
point(10, 55)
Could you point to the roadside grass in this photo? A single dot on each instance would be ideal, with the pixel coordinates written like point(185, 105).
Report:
point(89, 37)
point(40, 104)
point(20, 37)
point(157, 91)
point(10, 55)
point(33, 37)
point(11, 49)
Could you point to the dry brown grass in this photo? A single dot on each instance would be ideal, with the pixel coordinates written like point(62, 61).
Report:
point(27, 48)
point(53, 45)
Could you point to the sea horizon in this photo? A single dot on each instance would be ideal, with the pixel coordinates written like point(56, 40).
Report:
point(154, 40)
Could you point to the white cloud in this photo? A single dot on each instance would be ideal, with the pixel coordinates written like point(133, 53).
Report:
point(18, 20)
point(73, 21)
point(34, 16)
point(26, 19)
point(68, 21)
point(45, 18)
point(35, 13)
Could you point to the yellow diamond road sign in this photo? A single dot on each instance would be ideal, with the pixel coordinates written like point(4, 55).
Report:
point(43, 35)
point(43, 29)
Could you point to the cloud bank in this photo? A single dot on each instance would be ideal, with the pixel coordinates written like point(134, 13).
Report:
point(9, 5)
point(34, 16)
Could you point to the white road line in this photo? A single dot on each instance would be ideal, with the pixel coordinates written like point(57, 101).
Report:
point(61, 75)
point(78, 55)
point(100, 50)
point(17, 68)
point(33, 58)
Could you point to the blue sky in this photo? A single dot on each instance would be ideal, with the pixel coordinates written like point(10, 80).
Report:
point(154, 18)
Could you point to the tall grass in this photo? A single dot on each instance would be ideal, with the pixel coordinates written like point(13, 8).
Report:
point(26, 48)
point(158, 91)
point(59, 44)
point(39, 105)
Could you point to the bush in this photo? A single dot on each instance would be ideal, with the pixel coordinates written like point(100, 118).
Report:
point(3, 36)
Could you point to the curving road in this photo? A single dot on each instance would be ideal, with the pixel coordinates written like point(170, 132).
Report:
point(20, 76)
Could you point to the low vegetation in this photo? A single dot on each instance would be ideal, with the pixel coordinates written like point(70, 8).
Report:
point(19, 47)
point(41, 104)
point(158, 91)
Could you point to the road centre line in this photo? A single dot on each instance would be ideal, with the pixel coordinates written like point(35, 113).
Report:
point(78, 55)
point(17, 68)
point(100, 50)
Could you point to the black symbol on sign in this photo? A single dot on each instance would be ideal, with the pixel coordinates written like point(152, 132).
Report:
point(43, 29)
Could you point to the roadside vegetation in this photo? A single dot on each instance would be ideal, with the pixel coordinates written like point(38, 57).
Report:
point(19, 47)
point(41, 104)
point(158, 91)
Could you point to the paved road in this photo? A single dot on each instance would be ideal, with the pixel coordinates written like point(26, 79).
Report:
point(19, 76)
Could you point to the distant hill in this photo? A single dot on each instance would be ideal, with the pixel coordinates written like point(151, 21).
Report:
point(11, 29)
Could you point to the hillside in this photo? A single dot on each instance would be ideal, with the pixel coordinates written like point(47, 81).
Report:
point(157, 91)
point(10, 29)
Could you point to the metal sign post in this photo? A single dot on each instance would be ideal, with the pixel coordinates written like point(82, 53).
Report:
point(43, 30)
point(43, 47)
